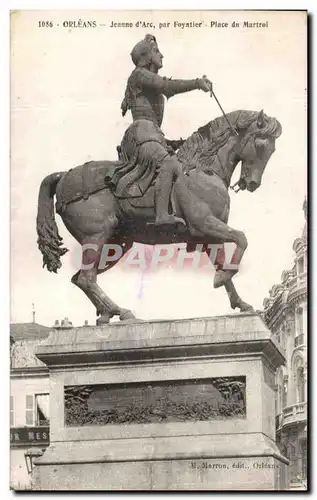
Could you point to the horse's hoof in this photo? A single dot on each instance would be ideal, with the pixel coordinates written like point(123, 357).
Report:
point(220, 278)
point(126, 314)
point(246, 308)
point(103, 320)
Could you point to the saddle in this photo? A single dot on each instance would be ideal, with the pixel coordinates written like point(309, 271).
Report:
point(81, 182)
point(93, 176)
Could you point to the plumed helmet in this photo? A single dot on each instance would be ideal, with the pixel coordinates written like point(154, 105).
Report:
point(141, 52)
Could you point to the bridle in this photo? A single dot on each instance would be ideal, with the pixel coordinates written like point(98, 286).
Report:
point(246, 168)
point(235, 132)
point(225, 177)
point(244, 173)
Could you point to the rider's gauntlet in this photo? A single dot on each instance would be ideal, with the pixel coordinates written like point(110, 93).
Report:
point(173, 87)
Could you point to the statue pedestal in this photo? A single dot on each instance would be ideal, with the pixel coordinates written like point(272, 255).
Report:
point(162, 405)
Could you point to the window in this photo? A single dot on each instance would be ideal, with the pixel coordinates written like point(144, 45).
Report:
point(276, 403)
point(284, 395)
point(29, 410)
point(281, 396)
point(300, 384)
point(304, 459)
point(11, 412)
point(42, 409)
point(283, 341)
point(300, 265)
point(293, 465)
point(278, 406)
point(300, 321)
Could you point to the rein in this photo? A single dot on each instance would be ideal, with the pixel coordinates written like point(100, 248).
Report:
point(224, 168)
point(226, 176)
point(224, 114)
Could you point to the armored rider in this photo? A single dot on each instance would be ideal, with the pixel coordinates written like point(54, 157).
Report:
point(144, 142)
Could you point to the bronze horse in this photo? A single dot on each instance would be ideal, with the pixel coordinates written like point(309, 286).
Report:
point(200, 196)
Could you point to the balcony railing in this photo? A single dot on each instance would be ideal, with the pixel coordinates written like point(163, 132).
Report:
point(298, 281)
point(299, 340)
point(294, 413)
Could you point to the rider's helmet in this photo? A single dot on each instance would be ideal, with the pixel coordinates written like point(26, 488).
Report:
point(142, 52)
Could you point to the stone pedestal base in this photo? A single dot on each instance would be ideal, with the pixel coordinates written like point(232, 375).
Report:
point(163, 405)
point(254, 465)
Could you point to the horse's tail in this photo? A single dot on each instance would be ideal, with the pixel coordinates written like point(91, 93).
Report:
point(49, 240)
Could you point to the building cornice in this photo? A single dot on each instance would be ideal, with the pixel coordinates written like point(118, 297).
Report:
point(276, 315)
point(297, 295)
point(127, 342)
point(29, 372)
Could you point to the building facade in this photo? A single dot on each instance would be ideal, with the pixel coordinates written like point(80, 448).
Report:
point(285, 313)
point(29, 400)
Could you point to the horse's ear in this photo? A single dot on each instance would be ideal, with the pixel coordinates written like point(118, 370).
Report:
point(260, 119)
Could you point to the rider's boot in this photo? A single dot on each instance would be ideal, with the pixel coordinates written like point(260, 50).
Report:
point(163, 187)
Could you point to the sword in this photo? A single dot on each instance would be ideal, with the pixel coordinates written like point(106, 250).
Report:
point(212, 93)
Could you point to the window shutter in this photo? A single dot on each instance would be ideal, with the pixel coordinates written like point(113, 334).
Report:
point(29, 410)
point(11, 411)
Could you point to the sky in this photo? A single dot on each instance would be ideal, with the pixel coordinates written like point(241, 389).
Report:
point(66, 89)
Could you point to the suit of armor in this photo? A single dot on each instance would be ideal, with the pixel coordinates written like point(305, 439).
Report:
point(144, 140)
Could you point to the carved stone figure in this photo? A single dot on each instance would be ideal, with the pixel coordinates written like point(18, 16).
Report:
point(143, 403)
point(151, 196)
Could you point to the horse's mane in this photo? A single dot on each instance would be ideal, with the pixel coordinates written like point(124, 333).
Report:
point(202, 146)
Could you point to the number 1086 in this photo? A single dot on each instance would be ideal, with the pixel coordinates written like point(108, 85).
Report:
point(45, 24)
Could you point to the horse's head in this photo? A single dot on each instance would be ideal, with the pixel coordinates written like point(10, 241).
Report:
point(257, 146)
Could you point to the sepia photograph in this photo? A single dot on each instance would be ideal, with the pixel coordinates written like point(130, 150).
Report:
point(158, 279)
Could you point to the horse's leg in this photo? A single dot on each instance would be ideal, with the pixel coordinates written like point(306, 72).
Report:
point(86, 280)
point(235, 299)
point(92, 223)
point(217, 229)
point(86, 277)
point(199, 217)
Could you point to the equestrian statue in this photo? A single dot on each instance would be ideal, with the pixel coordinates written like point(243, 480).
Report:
point(158, 191)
